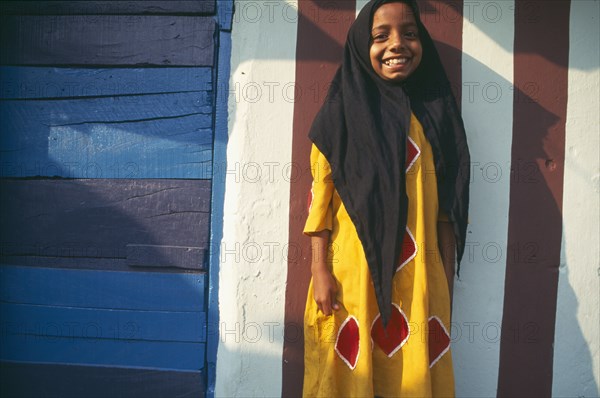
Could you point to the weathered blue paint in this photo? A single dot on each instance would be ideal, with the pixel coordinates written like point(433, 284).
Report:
point(115, 109)
point(95, 351)
point(98, 218)
point(182, 292)
point(118, 122)
point(115, 40)
point(225, 11)
point(159, 256)
point(141, 136)
point(55, 7)
point(102, 317)
point(225, 15)
point(46, 322)
point(26, 82)
point(76, 381)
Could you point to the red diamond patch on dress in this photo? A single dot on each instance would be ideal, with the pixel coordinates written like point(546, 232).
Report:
point(347, 343)
point(409, 249)
point(439, 340)
point(395, 335)
point(412, 153)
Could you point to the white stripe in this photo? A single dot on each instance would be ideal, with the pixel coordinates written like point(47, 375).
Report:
point(253, 268)
point(487, 105)
point(577, 336)
point(360, 4)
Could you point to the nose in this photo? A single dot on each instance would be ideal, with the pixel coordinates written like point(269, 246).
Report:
point(396, 43)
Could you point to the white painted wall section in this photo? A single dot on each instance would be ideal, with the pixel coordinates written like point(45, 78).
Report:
point(253, 267)
point(487, 106)
point(577, 338)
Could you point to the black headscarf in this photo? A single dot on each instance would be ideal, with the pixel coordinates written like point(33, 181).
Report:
point(362, 130)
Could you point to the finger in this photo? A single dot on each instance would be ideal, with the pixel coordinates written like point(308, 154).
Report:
point(323, 306)
point(327, 307)
point(334, 302)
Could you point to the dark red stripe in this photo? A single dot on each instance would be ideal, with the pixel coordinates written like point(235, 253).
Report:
point(444, 21)
point(536, 192)
point(322, 29)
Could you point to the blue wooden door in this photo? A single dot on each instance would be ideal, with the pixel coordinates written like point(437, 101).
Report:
point(106, 136)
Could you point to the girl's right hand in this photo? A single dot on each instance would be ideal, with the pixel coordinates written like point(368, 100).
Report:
point(325, 290)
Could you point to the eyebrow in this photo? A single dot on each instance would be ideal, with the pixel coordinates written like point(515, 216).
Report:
point(387, 26)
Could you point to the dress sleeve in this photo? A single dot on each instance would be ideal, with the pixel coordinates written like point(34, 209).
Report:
point(320, 204)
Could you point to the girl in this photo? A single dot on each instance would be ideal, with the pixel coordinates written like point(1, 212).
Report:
point(390, 189)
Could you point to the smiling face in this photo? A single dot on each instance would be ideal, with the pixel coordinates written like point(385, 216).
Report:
point(396, 49)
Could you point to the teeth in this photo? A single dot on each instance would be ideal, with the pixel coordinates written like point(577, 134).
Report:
point(396, 61)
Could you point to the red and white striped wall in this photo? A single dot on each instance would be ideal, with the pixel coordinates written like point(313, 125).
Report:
point(526, 307)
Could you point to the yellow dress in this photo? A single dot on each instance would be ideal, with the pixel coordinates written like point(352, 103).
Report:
point(349, 354)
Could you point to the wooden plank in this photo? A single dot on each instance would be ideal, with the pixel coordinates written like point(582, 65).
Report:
point(114, 290)
point(107, 352)
point(115, 109)
point(146, 136)
point(106, 264)
point(131, 7)
point(225, 11)
point(72, 381)
point(107, 40)
point(178, 147)
point(69, 322)
point(99, 218)
point(25, 82)
point(166, 256)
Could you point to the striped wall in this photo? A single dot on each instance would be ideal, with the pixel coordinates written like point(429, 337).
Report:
point(526, 303)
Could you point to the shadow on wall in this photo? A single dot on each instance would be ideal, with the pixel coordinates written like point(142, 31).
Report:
point(576, 374)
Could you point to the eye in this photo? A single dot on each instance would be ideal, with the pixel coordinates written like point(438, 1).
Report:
point(379, 37)
point(411, 34)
